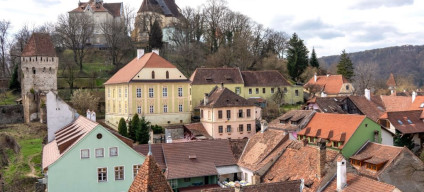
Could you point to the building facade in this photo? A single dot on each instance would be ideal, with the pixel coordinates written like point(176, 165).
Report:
point(149, 86)
point(39, 75)
point(329, 85)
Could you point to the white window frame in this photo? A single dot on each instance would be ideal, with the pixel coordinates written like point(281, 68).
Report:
point(138, 92)
point(136, 172)
point(151, 109)
point(95, 152)
point(123, 172)
point(151, 93)
point(173, 183)
point(180, 108)
point(101, 181)
point(117, 152)
point(139, 110)
point(165, 108)
point(85, 157)
point(126, 92)
point(164, 92)
point(180, 91)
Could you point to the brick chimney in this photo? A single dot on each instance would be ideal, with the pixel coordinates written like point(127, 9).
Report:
point(322, 156)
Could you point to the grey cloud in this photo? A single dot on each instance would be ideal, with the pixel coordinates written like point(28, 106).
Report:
point(372, 4)
point(310, 25)
point(370, 33)
point(329, 34)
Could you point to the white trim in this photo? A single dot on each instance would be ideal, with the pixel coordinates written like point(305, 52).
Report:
point(117, 152)
point(114, 173)
point(95, 152)
point(133, 170)
point(98, 175)
point(85, 157)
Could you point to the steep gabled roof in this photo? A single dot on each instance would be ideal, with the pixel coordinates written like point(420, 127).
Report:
point(391, 81)
point(223, 97)
point(359, 183)
point(368, 107)
point(269, 78)
point(127, 73)
point(329, 104)
point(214, 76)
point(303, 116)
point(396, 103)
point(150, 178)
point(113, 8)
point(331, 84)
point(39, 44)
point(197, 129)
point(166, 7)
point(407, 121)
point(156, 151)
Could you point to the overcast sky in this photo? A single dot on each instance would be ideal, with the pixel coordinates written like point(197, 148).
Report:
point(328, 25)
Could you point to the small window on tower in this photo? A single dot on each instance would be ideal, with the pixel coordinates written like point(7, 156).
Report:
point(33, 70)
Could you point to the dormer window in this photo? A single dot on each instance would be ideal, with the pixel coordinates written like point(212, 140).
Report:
point(347, 87)
point(409, 121)
point(400, 122)
point(293, 122)
point(356, 162)
point(372, 167)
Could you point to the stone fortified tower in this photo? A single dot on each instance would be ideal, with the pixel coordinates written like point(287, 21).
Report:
point(39, 66)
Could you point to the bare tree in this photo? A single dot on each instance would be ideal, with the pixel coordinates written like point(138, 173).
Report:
point(214, 13)
point(129, 17)
point(75, 32)
point(364, 77)
point(4, 30)
point(83, 99)
point(116, 38)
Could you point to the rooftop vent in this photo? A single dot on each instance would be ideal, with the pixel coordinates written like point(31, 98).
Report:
point(192, 157)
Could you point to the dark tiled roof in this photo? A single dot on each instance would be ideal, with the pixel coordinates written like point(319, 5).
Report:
point(359, 183)
point(399, 120)
point(330, 104)
point(284, 186)
point(166, 7)
point(214, 76)
point(368, 108)
point(156, 152)
point(269, 78)
point(237, 146)
point(40, 44)
point(223, 97)
point(113, 8)
point(197, 129)
point(150, 178)
point(294, 115)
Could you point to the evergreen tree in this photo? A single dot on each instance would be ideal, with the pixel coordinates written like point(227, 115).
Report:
point(122, 127)
point(155, 36)
point(297, 57)
point(314, 61)
point(345, 66)
point(14, 82)
point(135, 124)
point(143, 135)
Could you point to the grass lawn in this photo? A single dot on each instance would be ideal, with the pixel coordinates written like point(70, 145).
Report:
point(291, 107)
point(8, 98)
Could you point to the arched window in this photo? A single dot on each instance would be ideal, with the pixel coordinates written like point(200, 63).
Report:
point(167, 75)
point(44, 69)
point(33, 70)
point(153, 74)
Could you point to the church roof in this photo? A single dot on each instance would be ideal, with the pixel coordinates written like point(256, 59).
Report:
point(166, 7)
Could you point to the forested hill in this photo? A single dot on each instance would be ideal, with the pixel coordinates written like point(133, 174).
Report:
point(401, 61)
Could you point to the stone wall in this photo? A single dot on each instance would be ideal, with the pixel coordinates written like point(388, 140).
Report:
point(11, 114)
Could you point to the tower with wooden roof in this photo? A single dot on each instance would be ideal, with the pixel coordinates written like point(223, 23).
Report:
point(39, 75)
point(391, 83)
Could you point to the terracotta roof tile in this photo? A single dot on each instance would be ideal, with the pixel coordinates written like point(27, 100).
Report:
point(330, 104)
point(148, 60)
point(113, 8)
point(237, 146)
point(216, 76)
point(150, 178)
point(331, 85)
point(391, 81)
point(358, 183)
point(342, 126)
point(223, 97)
point(418, 103)
point(156, 152)
point(399, 119)
point(368, 107)
point(39, 44)
point(270, 78)
point(396, 103)
point(294, 115)
point(286, 186)
point(197, 129)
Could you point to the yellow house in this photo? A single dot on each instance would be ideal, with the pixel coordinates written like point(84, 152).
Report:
point(149, 86)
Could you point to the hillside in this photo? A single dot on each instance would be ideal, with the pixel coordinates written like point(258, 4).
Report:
point(401, 61)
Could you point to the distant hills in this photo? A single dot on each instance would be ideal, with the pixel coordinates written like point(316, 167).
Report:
point(400, 60)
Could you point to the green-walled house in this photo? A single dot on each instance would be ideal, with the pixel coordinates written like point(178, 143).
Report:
point(85, 156)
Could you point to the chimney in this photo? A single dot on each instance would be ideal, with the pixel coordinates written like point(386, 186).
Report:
point(323, 94)
point(140, 53)
point(315, 77)
point(376, 136)
point(414, 95)
point(169, 139)
point(237, 187)
point(222, 85)
point(205, 100)
point(264, 126)
point(367, 94)
point(151, 136)
point(328, 75)
point(341, 173)
point(155, 51)
point(322, 156)
point(88, 114)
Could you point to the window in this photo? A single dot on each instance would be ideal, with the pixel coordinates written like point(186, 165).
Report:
point(119, 173)
point(33, 70)
point(153, 74)
point(126, 92)
point(250, 91)
point(151, 109)
point(400, 122)
point(119, 107)
point(173, 183)
point(257, 90)
point(100, 152)
point(372, 166)
point(228, 114)
point(165, 92)
point(272, 90)
point(240, 113)
point(167, 75)
point(151, 92)
point(238, 90)
point(139, 109)
point(296, 92)
point(355, 162)
point(263, 90)
point(220, 129)
point(201, 113)
point(180, 91)
point(228, 128)
point(138, 93)
point(119, 93)
point(409, 121)
point(293, 122)
point(249, 127)
point(180, 108)
point(187, 179)
point(135, 170)
point(113, 151)
point(285, 89)
point(220, 114)
point(248, 112)
point(102, 174)
point(335, 144)
point(108, 92)
point(241, 128)
point(85, 153)
point(165, 108)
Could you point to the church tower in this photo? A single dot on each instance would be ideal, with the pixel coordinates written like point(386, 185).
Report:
point(39, 66)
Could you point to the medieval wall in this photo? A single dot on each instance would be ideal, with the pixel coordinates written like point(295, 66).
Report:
point(11, 114)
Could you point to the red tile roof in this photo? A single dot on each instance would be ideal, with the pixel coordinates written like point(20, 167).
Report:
point(396, 103)
point(197, 129)
point(127, 73)
point(113, 8)
point(391, 81)
point(150, 178)
point(334, 127)
point(358, 183)
point(331, 85)
point(399, 119)
point(369, 108)
point(269, 78)
point(418, 103)
point(223, 97)
point(40, 44)
point(216, 76)
point(286, 186)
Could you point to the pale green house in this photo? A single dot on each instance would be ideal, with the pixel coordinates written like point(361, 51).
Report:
point(85, 156)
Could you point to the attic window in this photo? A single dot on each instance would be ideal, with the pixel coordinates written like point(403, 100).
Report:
point(208, 78)
point(372, 167)
point(356, 162)
point(400, 122)
point(192, 157)
point(409, 121)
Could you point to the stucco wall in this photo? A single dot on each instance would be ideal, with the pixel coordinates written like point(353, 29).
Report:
point(59, 114)
point(387, 138)
point(71, 173)
point(290, 96)
point(364, 133)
